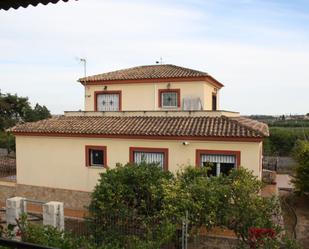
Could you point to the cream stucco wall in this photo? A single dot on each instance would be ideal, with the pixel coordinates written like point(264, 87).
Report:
point(208, 91)
point(141, 96)
point(59, 162)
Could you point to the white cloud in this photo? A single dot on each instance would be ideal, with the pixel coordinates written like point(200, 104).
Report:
point(40, 46)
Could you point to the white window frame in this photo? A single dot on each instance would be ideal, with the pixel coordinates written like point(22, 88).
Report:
point(89, 150)
point(159, 155)
point(114, 96)
point(163, 152)
point(169, 106)
point(217, 159)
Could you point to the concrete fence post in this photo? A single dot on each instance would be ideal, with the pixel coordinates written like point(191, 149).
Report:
point(53, 214)
point(15, 206)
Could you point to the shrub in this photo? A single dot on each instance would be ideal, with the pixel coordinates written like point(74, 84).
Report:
point(269, 242)
point(246, 207)
point(301, 155)
point(231, 201)
point(127, 204)
point(141, 205)
point(203, 197)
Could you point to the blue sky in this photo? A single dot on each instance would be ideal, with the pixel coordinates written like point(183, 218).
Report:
point(258, 49)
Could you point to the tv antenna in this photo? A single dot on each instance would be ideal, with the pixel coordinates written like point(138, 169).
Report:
point(84, 61)
point(160, 61)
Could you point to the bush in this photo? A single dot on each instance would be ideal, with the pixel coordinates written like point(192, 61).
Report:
point(271, 243)
point(143, 204)
point(231, 201)
point(301, 155)
point(126, 207)
point(247, 208)
point(203, 197)
point(47, 236)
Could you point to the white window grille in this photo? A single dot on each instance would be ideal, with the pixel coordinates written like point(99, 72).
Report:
point(149, 157)
point(218, 158)
point(108, 102)
point(169, 99)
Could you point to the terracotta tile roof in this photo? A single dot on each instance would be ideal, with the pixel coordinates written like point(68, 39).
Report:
point(253, 124)
point(7, 4)
point(166, 126)
point(165, 71)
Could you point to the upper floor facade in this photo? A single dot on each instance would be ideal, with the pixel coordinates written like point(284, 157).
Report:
point(152, 88)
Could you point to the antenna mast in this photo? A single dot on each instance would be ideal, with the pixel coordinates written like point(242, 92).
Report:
point(83, 60)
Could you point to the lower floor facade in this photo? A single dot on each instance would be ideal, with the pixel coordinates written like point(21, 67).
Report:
point(74, 163)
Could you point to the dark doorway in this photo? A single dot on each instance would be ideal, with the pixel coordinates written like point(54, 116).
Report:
point(214, 102)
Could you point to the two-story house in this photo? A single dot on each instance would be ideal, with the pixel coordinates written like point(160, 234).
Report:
point(160, 113)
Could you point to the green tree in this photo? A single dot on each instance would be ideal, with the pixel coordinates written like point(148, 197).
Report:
point(140, 206)
point(12, 110)
point(15, 109)
point(126, 207)
point(301, 155)
point(282, 140)
point(247, 208)
point(203, 197)
point(231, 201)
point(37, 113)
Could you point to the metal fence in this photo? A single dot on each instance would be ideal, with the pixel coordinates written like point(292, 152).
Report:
point(270, 163)
point(7, 168)
point(185, 236)
point(21, 245)
point(282, 165)
point(130, 229)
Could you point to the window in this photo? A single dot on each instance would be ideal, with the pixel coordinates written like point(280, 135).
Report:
point(149, 155)
point(108, 101)
point(220, 162)
point(96, 156)
point(214, 102)
point(169, 98)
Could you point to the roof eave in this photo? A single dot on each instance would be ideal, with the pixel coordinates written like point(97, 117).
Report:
point(151, 137)
point(207, 78)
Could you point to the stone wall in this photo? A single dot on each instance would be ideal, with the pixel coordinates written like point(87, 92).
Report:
point(7, 190)
point(76, 200)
